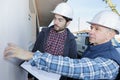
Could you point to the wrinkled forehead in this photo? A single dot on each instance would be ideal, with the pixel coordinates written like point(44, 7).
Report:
point(98, 26)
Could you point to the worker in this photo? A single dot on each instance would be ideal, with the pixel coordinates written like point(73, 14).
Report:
point(100, 60)
point(57, 39)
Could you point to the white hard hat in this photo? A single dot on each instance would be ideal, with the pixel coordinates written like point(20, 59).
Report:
point(107, 19)
point(64, 9)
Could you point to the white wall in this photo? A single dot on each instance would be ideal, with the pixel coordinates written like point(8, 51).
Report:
point(17, 28)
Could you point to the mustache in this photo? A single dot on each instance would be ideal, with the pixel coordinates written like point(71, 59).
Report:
point(56, 25)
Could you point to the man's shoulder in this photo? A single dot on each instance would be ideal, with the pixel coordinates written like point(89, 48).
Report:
point(70, 34)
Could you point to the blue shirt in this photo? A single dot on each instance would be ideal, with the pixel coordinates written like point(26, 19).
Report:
point(85, 68)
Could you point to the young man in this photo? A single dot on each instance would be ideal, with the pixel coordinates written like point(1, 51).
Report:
point(100, 61)
point(57, 39)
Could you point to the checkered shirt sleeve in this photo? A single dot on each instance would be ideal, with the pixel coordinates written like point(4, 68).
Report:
point(85, 68)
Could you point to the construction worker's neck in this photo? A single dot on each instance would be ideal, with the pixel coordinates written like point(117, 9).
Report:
point(60, 31)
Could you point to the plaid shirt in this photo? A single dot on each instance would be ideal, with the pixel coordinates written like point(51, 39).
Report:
point(55, 42)
point(85, 68)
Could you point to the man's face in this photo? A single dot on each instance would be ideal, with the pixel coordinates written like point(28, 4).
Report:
point(59, 23)
point(98, 34)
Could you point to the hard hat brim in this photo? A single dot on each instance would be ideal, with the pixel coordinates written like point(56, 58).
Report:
point(117, 32)
point(95, 23)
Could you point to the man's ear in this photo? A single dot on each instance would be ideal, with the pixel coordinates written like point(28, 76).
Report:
point(112, 34)
point(68, 23)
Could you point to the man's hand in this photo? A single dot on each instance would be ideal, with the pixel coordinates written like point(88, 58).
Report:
point(12, 51)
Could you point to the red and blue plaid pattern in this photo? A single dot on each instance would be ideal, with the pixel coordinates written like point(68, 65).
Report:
point(55, 42)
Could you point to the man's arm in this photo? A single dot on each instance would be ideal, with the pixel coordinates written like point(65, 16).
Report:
point(85, 68)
